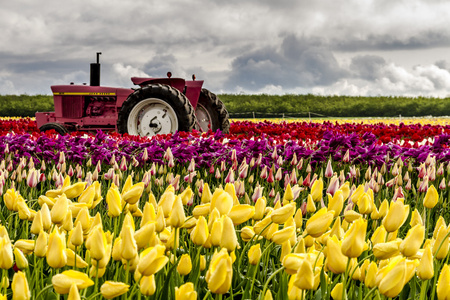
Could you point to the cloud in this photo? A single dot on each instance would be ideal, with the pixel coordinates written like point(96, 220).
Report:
point(299, 62)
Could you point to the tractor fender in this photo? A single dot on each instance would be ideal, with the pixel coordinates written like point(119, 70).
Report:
point(177, 83)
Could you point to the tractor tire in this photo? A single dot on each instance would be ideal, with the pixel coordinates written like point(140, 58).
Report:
point(156, 109)
point(55, 126)
point(211, 113)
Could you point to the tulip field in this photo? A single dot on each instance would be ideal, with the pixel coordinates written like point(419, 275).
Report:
point(272, 210)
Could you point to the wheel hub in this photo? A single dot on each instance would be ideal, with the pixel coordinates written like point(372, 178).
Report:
point(152, 116)
point(203, 118)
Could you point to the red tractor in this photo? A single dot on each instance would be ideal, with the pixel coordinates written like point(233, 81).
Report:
point(158, 106)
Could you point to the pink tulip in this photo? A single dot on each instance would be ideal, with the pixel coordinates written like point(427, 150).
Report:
point(346, 157)
point(230, 176)
point(329, 170)
point(32, 179)
point(442, 185)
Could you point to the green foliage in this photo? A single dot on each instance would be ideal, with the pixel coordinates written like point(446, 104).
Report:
point(333, 106)
point(276, 105)
point(24, 105)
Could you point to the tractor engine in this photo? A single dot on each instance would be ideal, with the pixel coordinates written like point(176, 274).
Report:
point(99, 105)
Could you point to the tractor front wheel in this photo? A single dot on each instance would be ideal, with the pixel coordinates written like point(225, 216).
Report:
point(55, 126)
point(211, 113)
point(156, 109)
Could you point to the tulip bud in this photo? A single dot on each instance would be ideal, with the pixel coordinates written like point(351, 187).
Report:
point(229, 238)
point(220, 273)
point(431, 197)
point(354, 239)
point(20, 287)
point(282, 214)
point(63, 282)
point(185, 292)
point(152, 260)
point(200, 233)
point(395, 216)
point(317, 189)
point(111, 289)
point(443, 285)
point(413, 240)
point(319, 222)
point(425, 270)
point(393, 278)
point(337, 291)
point(305, 276)
point(336, 260)
point(184, 265)
point(254, 254)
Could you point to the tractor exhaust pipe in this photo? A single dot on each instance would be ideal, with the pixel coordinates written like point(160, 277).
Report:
point(95, 72)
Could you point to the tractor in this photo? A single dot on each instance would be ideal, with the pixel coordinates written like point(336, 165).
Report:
point(157, 106)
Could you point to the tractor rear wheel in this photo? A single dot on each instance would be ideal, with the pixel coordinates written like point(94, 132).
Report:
point(156, 109)
point(211, 113)
point(55, 126)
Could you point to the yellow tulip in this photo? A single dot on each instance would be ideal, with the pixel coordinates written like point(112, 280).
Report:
point(365, 206)
point(336, 202)
point(152, 260)
point(184, 265)
point(63, 281)
point(394, 278)
point(336, 293)
point(394, 217)
point(74, 190)
point(177, 216)
point(40, 247)
point(443, 285)
point(281, 215)
point(26, 246)
point(260, 208)
point(166, 201)
point(222, 201)
point(254, 254)
point(129, 248)
point(10, 199)
point(415, 218)
point(20, 287)
point(305, 276)
point(46, 217)
point(186, 195)
point(441, 244)
point(319, 222)
point(88, 196)
point(247, 233)
point(56, 254)
point(36, 225)
point(216, 232)
point(114, 201)
point(76, 237)
point(73, 293)
point(241, 213)
point(84, 218)
point(71, 257)
point(413, 240)
point(112, 289)
point(294, 293)
point(147, 285)
point(220, 272)
point(134, 193)
point(386, 250)
point(351, 216)
point(370, 277)
point(431, 197)
point(200, 233)
point(96, 243)
point(281, 236)
point(439, 223)
point(379, 235)
point(317, 190)
point(145, 235)
point(206, 194)
point(229, 238)
point(336, 260)
point(354, 239)
point(185, 292)
point(425, 270)
point(21, 260)
point(310, 206)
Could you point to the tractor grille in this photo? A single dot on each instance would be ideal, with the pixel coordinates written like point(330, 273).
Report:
point(72, 106)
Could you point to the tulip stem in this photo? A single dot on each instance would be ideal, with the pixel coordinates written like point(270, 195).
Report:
point(344, 290)
point(423, 289)
point(370, 292)
point(44, 289)
point(269, 279)
point(433, 290)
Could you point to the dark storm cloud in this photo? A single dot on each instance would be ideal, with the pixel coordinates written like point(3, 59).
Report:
point(367, 67)
point(390, 42)
point(299, 62)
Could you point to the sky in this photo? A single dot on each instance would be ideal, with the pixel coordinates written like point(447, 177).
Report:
point(322, 47)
